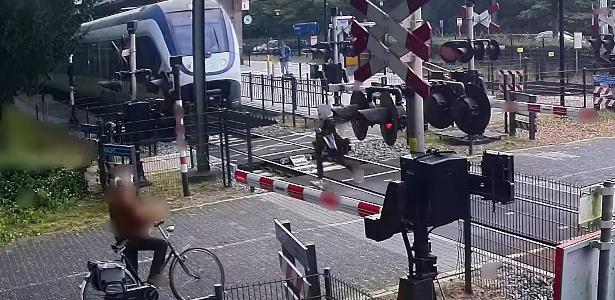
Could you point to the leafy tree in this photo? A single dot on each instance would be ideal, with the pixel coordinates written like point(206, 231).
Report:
point(36, 35)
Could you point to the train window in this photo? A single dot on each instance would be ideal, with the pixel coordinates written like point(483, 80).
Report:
point(216, 39)
point(147, 54)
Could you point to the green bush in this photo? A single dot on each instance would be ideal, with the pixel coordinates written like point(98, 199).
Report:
point(43, 189)
point(26, 196)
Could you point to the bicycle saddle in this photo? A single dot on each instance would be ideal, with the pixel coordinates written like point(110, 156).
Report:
point(119, 246)
point(158, 223)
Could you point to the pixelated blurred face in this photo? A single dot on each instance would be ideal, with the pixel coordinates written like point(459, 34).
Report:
point(121, 185)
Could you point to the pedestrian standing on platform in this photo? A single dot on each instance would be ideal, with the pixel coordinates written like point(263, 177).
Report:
point(284, 54)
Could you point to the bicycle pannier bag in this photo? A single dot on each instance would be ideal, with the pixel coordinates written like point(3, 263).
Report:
point(109, 277)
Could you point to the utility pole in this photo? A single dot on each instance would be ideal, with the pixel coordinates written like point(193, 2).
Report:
point(132, 34)
point(470, 28)
point(606, 226)
point(415, 132)
point(200, 84)
point(562, 81)
point(325, 25)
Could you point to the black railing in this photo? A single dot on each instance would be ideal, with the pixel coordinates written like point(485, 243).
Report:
point(334, 289)
point(284, 93)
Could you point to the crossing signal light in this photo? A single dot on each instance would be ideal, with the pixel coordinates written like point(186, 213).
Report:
point(464, 104)
point(491, 48)
point(458, 50)
point(463, 50)
point(596, 43)
point(363, 113)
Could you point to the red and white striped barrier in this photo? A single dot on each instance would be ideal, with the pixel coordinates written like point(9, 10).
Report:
point(325, 199)
point(484, 18)
point(585, 114)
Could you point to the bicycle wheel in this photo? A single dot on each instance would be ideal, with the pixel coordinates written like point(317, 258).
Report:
point(194, 273)
point(88, 291)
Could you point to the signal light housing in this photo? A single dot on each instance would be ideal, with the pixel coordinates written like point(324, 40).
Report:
point(457, 50)
point(463, 50)
point(465, 104)
point(608, 42)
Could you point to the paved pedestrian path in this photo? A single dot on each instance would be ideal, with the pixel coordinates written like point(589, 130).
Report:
point(239, 231)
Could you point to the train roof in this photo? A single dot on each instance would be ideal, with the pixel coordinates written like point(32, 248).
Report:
point(141, 12)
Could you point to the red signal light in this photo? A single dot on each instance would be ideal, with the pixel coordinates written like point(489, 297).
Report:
point(388, 126)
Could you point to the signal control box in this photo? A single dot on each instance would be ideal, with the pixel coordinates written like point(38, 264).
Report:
point(437, 184)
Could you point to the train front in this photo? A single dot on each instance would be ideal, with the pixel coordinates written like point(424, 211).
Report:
point(222, 63)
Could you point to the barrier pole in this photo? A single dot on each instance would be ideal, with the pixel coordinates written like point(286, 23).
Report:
point(180, 128)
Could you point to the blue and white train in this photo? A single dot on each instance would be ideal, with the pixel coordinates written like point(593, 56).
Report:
point(164, 30)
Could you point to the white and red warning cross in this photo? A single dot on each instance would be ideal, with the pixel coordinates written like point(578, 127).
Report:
point(382, 56)
point(484, 18)
point(602, 17)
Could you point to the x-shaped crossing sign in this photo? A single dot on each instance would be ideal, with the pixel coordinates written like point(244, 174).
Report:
point(484, 18)
point(407, 41)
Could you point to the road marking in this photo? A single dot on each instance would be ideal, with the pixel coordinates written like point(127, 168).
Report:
point(372, 175)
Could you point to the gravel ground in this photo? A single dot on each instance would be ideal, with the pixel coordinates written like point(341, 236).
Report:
point(279, 130)
point(521, 284)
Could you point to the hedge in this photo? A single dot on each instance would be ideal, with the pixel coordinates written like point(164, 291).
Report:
point(46, 189)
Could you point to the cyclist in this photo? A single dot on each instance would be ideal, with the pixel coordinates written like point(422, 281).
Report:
point(132, 220)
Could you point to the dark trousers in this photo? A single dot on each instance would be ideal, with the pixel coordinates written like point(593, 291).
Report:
point(159, 246)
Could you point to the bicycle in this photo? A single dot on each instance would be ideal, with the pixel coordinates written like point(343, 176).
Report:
point(135, 288)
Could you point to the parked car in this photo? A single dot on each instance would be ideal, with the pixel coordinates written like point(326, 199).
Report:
point(547, 36)
point(270, 48)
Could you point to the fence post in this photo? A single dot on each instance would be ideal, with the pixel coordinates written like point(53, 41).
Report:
point(263, 90)
point(328, 285)
point(251, 88)
point(293, 86)
point(300, 70)
point(249, 147)
point(272, 82)
point(283, 99)
point(606, 226)
point(532, 120)
point(219, 291)
point(584, 87)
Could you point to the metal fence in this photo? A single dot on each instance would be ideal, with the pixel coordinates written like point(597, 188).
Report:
point(517, 241)
point(154, 136)
point(285, 94)
point(335, 289)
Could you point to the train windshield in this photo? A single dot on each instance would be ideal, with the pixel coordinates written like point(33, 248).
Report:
point(216, 39)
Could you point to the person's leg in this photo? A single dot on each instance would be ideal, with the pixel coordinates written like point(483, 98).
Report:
point(159, 246)
point(132, 257)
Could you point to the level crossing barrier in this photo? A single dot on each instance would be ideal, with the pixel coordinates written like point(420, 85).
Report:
point(522, 236)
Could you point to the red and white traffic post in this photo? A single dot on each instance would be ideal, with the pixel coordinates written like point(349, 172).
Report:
point(180, 128)
point(409, 41)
